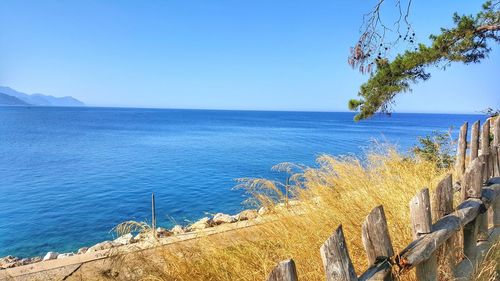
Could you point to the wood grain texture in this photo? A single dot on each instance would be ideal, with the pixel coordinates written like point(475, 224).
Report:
point(473, 179)
point(375, 236)
point(485, 137)
point(474, 140)
point(443, 198)
point(420, 213)
point(461, 149)
point(496, 132)
point(422, 248)
point(336, 261)
point(380, 272)
point(442, 206)
point(284, 271)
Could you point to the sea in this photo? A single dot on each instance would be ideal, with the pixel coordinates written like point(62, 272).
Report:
point(68, 175)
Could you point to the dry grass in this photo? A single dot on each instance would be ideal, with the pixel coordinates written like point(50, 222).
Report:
point(489, 270)
point(340, 191)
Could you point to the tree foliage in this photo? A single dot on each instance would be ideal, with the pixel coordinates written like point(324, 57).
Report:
point(437, 148)
point(467, 42)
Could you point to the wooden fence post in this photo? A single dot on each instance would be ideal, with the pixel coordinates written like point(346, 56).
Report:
point(474, 141)
point(496, 212)
point(496, 147)
point(496, 131)
point(485, 138)
point(461, 149)
point(495, 208)
point(495, 161)
point(378, 246)
point(485, 148)
point(442, 206)
point(482, 219)
point(284, 271)
point(473, 181)
point(336, 261)
point(420, 215)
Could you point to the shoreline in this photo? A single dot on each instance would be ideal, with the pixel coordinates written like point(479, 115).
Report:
point(144, 239)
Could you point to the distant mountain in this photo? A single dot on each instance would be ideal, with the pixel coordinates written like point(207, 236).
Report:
point(40, 99)
point(10, 100)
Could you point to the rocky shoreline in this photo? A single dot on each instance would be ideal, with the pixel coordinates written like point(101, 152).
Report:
point(143, 237)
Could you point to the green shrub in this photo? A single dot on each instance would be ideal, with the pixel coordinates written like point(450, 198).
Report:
point(438, 148)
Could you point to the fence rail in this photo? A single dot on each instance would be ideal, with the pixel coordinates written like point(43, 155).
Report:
point(435, 223)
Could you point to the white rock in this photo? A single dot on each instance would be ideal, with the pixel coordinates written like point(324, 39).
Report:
point(221, 218)
point(263, 211)
point(247, 215)
point(50, 256)
point(103, 246)
point(177, 230)
point(65, 255)
point(125, 239)
point(82, 250)
point(201, 224)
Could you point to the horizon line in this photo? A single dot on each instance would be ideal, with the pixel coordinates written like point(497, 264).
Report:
point(254, 110)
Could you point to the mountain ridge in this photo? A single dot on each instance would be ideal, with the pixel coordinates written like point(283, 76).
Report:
point(11, 101)
point(38, 99)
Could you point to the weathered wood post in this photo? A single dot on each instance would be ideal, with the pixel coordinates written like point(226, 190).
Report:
point(495, 157)
point(482, 219)
point(473, 181)
point(496, 212)
point(284, 271)
point(485, 147)
point(485, 138)
point(442, 206)
point(421, 220)
point(474, 141)
point(153, 214)
point(461, 149)
point(336, 261)
point(496, 146)
point(378, 246)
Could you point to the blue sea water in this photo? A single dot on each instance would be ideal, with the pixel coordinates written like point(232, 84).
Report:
point(69, 175)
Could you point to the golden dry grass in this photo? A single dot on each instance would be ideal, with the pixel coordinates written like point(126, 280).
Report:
point(489, 270)
point(340, 191)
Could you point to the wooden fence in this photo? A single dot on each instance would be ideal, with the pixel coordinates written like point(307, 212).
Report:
point(457, 240)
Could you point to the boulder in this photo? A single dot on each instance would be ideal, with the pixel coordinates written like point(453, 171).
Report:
point(201, 224)
point(64, 255)
point(125, 239)
point(103, 246)
point(163, 232)
point(221, 218)
point(247, 215)
point(178, 230)
point(50, 256)
point(82, 250)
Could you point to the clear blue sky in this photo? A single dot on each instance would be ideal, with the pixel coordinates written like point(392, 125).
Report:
point(259, 54)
